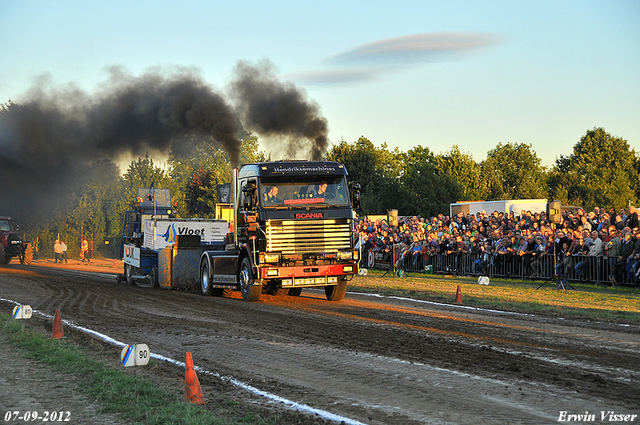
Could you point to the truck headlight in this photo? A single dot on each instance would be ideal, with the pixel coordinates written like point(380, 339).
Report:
point(345, 255)
point(269, 257)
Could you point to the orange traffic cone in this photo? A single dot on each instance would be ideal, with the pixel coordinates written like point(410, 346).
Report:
point(57, 326)
point(459, 295)
point(115, 264)
point(192, 389)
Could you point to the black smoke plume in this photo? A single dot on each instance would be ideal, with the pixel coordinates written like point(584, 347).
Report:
point(274, 108)
point(50, 138)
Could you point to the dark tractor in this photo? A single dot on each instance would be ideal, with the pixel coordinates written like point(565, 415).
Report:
point(12, 245)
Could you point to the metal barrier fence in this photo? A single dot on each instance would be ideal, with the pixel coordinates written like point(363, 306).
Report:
point(590, 269)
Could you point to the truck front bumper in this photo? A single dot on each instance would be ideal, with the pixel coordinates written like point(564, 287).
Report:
point(319, 275)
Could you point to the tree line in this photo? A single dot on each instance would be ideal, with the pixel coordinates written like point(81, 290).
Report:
point(602, 170)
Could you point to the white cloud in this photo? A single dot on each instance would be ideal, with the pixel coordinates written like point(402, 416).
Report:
point(369, 61)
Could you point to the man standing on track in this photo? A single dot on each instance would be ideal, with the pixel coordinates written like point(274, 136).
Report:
point(84, 250)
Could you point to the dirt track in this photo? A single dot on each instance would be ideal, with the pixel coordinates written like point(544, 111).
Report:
point(373, 360)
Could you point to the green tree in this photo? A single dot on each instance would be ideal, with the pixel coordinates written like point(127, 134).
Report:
point(465, 171)
point(602, 171)
point(200, 193)
point(514, 171)
point(423, 190)
point(376, 169)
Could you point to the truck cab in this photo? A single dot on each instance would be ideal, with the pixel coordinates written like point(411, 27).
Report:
point(293, 229)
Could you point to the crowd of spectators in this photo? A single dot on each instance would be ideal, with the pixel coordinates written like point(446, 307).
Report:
point(598, 246)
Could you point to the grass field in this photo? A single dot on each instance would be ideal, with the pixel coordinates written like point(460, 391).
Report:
point(620, 304)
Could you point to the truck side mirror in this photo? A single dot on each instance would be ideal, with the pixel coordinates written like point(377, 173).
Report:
point(355, 194)
point(249, 191)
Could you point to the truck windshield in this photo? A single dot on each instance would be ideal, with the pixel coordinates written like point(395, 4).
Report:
point(5, 226)
point(309, 190)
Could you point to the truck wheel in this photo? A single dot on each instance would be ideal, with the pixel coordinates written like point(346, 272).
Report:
point(275, 290)
point(295, 292)
point(128, 272)
point(2, 253)
point(250, 292)
point(336, 292)
point(28, 255)
point(221, 292)
point(205, 282)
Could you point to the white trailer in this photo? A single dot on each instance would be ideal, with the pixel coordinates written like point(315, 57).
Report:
point(514, 205)
point(161, 233)
point(154, 257)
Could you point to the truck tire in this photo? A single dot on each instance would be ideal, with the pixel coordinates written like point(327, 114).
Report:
point(295, 292)
point(128, 272)
point(205, 279)
point(250, 292)
point(275, 290)
point(221, 292)
point(205, 283)
point(281, 292)
point(28, 255)
point(2, 253)
point(336, 292)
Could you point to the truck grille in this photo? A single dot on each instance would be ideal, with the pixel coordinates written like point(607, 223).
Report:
point(313, 237)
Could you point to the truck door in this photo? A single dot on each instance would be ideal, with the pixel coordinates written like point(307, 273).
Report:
point(247, 210)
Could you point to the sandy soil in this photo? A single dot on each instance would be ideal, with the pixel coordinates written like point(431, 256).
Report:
point(374, 360)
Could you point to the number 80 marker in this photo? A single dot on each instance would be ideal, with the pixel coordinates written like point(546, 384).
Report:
point(22, 312)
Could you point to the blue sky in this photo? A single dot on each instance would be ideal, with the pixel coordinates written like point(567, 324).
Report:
point(406, 73)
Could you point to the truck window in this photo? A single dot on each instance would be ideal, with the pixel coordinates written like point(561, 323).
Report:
point(303, 190)
point(248, 199)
